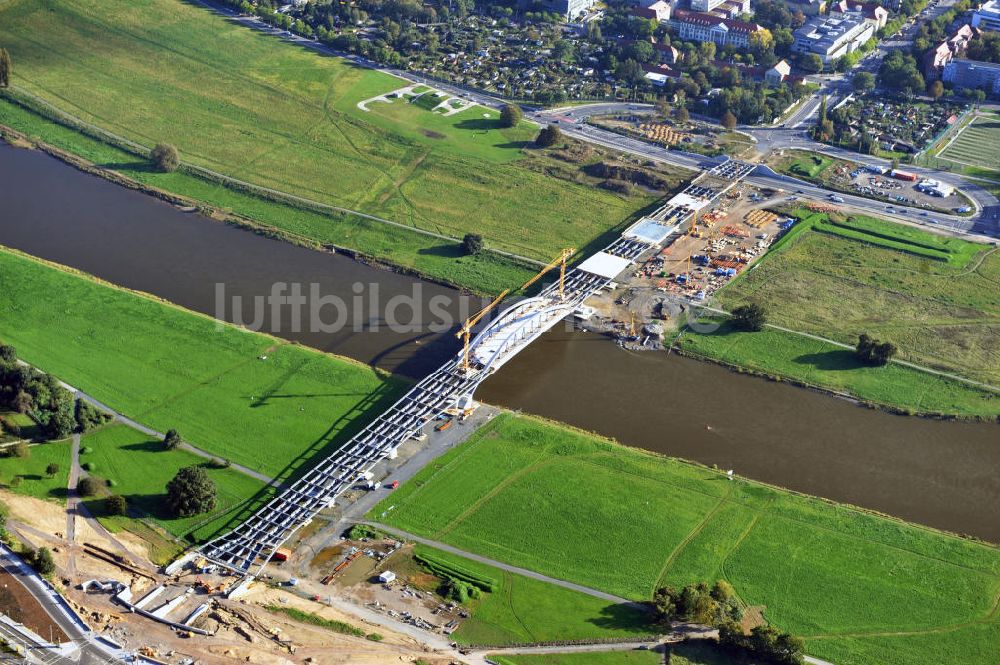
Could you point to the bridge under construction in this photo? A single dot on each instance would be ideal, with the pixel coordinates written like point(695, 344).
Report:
point(248, 548)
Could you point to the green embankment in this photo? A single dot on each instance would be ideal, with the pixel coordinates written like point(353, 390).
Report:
point(139, 469)
point(281, 116)
point(522, 610)
point(933, 296)
point(625, 521)
point(437, 259)
point(33, 481)
point(269, 405)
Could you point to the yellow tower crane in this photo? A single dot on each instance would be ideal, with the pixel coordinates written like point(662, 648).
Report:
point(561, 262)
point(465, 332)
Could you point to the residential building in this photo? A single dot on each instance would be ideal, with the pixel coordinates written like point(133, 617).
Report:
point(667, 54)
point(571, 9)
point(808, 7)
point(705, 6)
point(987, 17)
point(876, 14)
point(694, 26)
point(731, 9)
point(936, 59)
point(833, 37)
point(972, 74)
point(775, 75)
point(657, 11)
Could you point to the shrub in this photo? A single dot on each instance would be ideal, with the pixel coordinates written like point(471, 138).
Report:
point(116, 505)
point(8, 354)
point(89, 486)
point(51, 470)
point(873, 352)
point(548, 137)
point(374, 637)
point(89, 417)
point(165, 157)
point(749, 318)
point(89, 466)
point(20, 449)
point(171, 440)
point(472, 243)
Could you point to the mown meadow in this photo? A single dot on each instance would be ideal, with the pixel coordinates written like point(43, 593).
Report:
point(247, 397)
point(626, 521)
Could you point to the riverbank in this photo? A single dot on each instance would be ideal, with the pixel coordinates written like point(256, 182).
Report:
point(862, 575)
point(834, 278)
point(169, 368)
point(367, 241)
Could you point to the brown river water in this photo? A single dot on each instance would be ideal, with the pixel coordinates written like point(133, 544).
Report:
point(942, 474)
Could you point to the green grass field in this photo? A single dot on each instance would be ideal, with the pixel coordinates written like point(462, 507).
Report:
point(934, 297)
point(977, 146)
point(140, 469)
point(31, 471)
point(626, 521)
point(522, 610)
point(277, 115)
point(596, 658)
point(169, 368)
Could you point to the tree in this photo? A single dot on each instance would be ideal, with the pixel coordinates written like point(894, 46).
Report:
point(116, 505)
point(8, 354)
point(5, 68)
point(663, 108)
point(935, 89)
point(51, 470)
point(812, 63)
point(729, 120)
point(548, 137)
point(749, 317)
point(165, 157)
point(863, 82)
point(510, 115)
point(873, 352)
point(472, 243)
point(171, 440)
point(89, 486)
point(41, 561)
point(681, 114)
point(21, 449)
point(191, 492)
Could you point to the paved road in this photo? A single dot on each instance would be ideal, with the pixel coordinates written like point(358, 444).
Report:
point(86, 649)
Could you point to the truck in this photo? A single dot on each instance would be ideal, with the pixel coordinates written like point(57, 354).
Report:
point(282, 554)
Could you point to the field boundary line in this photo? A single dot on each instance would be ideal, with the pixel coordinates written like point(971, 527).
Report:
point(78, 124)
point(841, 345)
point(524, 572)
point(708, 517)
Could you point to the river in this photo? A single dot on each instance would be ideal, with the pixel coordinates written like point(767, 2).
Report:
point(941, 474)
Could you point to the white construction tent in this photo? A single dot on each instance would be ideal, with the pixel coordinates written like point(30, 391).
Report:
point(605, 265)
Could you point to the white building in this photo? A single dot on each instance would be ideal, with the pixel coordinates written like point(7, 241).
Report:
point(831, 38)
point(987, 17)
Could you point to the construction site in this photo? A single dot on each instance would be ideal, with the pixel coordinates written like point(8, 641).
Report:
point(702, 254)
